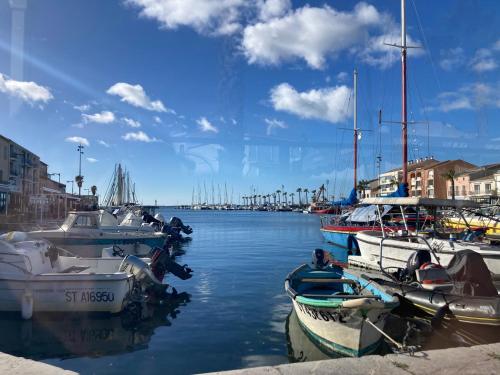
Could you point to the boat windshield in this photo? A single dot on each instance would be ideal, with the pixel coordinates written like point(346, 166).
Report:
point(68, 223)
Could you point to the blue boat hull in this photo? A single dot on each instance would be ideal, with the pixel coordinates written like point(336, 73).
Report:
point(342, 239)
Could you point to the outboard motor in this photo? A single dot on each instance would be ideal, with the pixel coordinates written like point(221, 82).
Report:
point(161, 263)
point(147, 218)
point(320, 258)
point(415, 261)
point(160, 218)
point(175, 222)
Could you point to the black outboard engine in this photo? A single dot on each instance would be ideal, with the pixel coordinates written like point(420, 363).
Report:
point(161, 263)
point(175, 222)
point(415, 261)
point(320, 258)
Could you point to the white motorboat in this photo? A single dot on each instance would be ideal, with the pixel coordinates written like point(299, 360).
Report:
point(35, 276)
point(86, 233)
point(398, 246)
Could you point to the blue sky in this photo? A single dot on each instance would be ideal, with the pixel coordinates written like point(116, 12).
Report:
point(248, 93)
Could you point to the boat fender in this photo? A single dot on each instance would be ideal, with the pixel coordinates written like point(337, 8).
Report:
point(27, 305)
point(358, 303)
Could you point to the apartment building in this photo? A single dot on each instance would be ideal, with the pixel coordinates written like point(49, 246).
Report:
point(480, 183)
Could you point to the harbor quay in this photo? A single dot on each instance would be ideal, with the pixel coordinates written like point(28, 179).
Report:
point(481, 359)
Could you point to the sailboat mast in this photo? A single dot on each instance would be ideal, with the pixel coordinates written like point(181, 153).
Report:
point(355, 128)
point(404, 120)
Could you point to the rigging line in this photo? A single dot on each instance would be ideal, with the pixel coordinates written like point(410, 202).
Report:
point(424, 111)
point(426, 45)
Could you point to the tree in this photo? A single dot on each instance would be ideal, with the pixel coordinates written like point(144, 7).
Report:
point(93, 189)
point(306, 191)
point(291, 196)
point(450, 176)
point(284, 198)
point(362, 186)
point(278, 194)
point(299, 190)
point(79, 181)
point(274, 198)
point(313, 192)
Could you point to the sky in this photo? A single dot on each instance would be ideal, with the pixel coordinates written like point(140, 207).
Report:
point(252, 95)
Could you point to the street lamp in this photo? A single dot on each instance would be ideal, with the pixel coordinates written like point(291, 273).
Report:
point(72, 184)
point(80, 179)
point(55, 174)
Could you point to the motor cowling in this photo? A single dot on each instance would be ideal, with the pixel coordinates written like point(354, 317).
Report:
point(161, 263)
point(320, 258)
point(175, 222)
point(415, 261)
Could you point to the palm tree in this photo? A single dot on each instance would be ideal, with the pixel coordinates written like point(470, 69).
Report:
point(306, 191)
point(299, 190)
point(79, 181)
point(284, 198)
point(291, 196)
point(450, 176)
point(274, 199)
point(93, 189)
point(278, 193)
point(362, 186)
point(313, 192)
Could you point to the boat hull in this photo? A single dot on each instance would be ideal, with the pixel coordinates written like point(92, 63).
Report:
point(396, 252)
point(91, 246)
point(64, 293)
point(342, 238)
point(340, 330)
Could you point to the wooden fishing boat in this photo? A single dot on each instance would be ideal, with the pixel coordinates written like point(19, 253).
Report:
point(339, 310)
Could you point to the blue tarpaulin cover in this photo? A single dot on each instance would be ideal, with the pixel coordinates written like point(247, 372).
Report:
point(401, 192)
point(351, 200)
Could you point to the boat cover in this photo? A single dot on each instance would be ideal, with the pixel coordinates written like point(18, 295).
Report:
point(368, 214)
point(402, 191)
point(470, 275)
point(351, 200)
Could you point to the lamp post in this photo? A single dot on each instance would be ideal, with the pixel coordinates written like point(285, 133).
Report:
point(55, 174)
point(80, 152)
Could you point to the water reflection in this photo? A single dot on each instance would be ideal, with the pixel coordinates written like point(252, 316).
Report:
point(74, 335)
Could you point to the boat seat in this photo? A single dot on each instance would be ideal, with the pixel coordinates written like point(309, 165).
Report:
point(318, 280)
point(75, 269)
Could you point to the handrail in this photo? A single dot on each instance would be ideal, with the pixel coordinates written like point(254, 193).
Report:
point(408, 236)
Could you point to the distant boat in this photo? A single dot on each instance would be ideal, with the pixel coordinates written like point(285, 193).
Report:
point(334, 307)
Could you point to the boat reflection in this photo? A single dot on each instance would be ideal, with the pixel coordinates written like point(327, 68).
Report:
point(71, 335)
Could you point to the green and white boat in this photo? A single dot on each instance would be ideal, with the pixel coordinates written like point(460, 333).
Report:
point(339, 309)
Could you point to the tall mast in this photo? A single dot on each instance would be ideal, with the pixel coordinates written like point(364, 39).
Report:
point(355, 128)
point(404, 121)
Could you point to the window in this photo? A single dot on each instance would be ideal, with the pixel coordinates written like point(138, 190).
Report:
point(477, 189)
point(463, 191)
point(85, 221)
point(487, 187)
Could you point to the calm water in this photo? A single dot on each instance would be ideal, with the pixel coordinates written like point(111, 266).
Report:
point(237, 314)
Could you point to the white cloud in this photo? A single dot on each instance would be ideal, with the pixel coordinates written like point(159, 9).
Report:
point(496, 45)
point(234, 121)
point(28, 91)
point(469, 97)
point(206, 126)
point(274, 124)
point(79, 140)
point(313, 34)
point(136, 96)
point(82, 108)
point(483, 61)
point(157, 119)
point(103, 117)
point(103, 143)
point(269, 9)
point(92, 160)
point(131, 122)
point(139, 136)
point(452, 58)
point(215, 17)
point(342, 77)
point(329, 104)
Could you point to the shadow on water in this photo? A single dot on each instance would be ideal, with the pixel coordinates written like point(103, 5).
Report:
point(66, 336)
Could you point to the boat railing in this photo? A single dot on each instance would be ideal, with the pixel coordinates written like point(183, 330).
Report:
point(409, 237)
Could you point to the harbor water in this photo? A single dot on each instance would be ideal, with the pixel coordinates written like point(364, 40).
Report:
point(234, 314)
